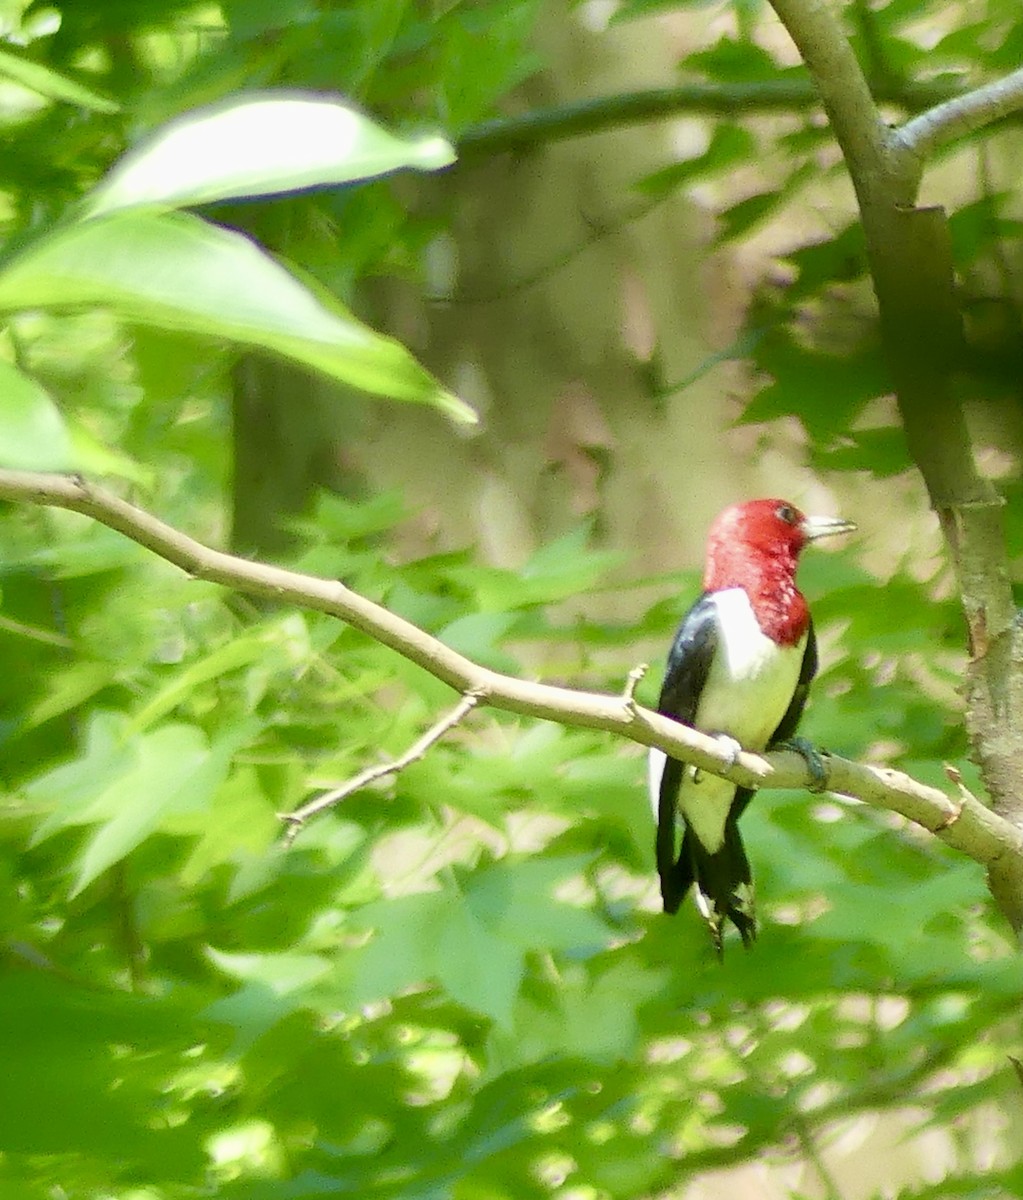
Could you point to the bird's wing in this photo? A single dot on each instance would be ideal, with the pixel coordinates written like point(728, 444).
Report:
point(689, 661)
point(808, 669)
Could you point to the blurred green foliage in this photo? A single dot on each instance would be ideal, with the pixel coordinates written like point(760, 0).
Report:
point(458, 984)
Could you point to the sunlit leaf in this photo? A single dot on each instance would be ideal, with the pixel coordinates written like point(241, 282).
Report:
point(174, 768)
point(257, 145)
point(33, 436)
point(44, 80)
point(280, 973)
point(127, 785)
point(92, 457)
point(175, 271)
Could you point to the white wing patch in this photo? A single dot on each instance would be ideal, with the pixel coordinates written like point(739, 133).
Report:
point(748, 691)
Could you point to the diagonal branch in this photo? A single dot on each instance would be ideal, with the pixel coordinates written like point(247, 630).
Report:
point(966, 826)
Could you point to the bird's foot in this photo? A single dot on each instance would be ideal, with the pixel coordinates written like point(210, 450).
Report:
point(731, 748)
point(713, 918)
point(813, 759)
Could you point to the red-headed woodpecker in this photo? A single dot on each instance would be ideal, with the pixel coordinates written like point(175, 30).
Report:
point(739, 668)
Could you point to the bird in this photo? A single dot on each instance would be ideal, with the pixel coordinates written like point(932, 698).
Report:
point(739, 668)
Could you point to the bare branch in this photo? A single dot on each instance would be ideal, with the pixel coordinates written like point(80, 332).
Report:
point(295, 820)
point(972, 829)
point(632, 681)
point(539, 127)
point(955, 118)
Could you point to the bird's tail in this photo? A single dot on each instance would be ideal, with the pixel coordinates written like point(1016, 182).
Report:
point(724, 883)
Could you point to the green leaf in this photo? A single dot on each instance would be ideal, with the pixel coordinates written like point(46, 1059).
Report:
point(881, 452)
point(47, 82)
point(175, 770)
point(33, 436)
point(74, 685)
point(976, 228)
point(282, 974)
point(473, 941)
point(475, 965)
point(734, 61)
point(740, 217)
point(840, 259)
point(602, 1019)
point(728, 144)
point(558, 570)
point(129, 785)
point(238, 652)
point(826, 391)
point(94, 458)
point(401, 952)
point(477, 636)
point(514, 900)
point(239, 823)
point(258, 145)
point(70, 791)
point(175, 271)
point(116, 1048)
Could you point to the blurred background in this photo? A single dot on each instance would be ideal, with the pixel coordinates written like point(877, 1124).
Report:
point(458, 984)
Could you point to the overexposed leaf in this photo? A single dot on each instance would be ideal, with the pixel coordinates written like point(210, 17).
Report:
point(258, 145)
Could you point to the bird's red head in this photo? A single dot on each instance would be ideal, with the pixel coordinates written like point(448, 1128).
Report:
point(756, 546)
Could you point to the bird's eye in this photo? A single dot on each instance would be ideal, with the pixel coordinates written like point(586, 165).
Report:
point(786, 513)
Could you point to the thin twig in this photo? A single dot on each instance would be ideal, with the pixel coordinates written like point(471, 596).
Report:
point(46, 636)
point(297, 819)
point(132, 945)
point(632, 681)
point(927, 133)
point(977, 831)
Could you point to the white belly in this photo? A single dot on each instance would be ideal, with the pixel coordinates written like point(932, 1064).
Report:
point(748, 691)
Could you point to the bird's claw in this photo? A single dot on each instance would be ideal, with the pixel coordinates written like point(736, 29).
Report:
point(730, 746)
point(813, 759)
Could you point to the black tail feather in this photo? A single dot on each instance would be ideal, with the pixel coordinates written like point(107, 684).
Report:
point(724, 883)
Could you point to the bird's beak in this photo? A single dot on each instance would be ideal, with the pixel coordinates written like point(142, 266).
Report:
point(819, 527)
